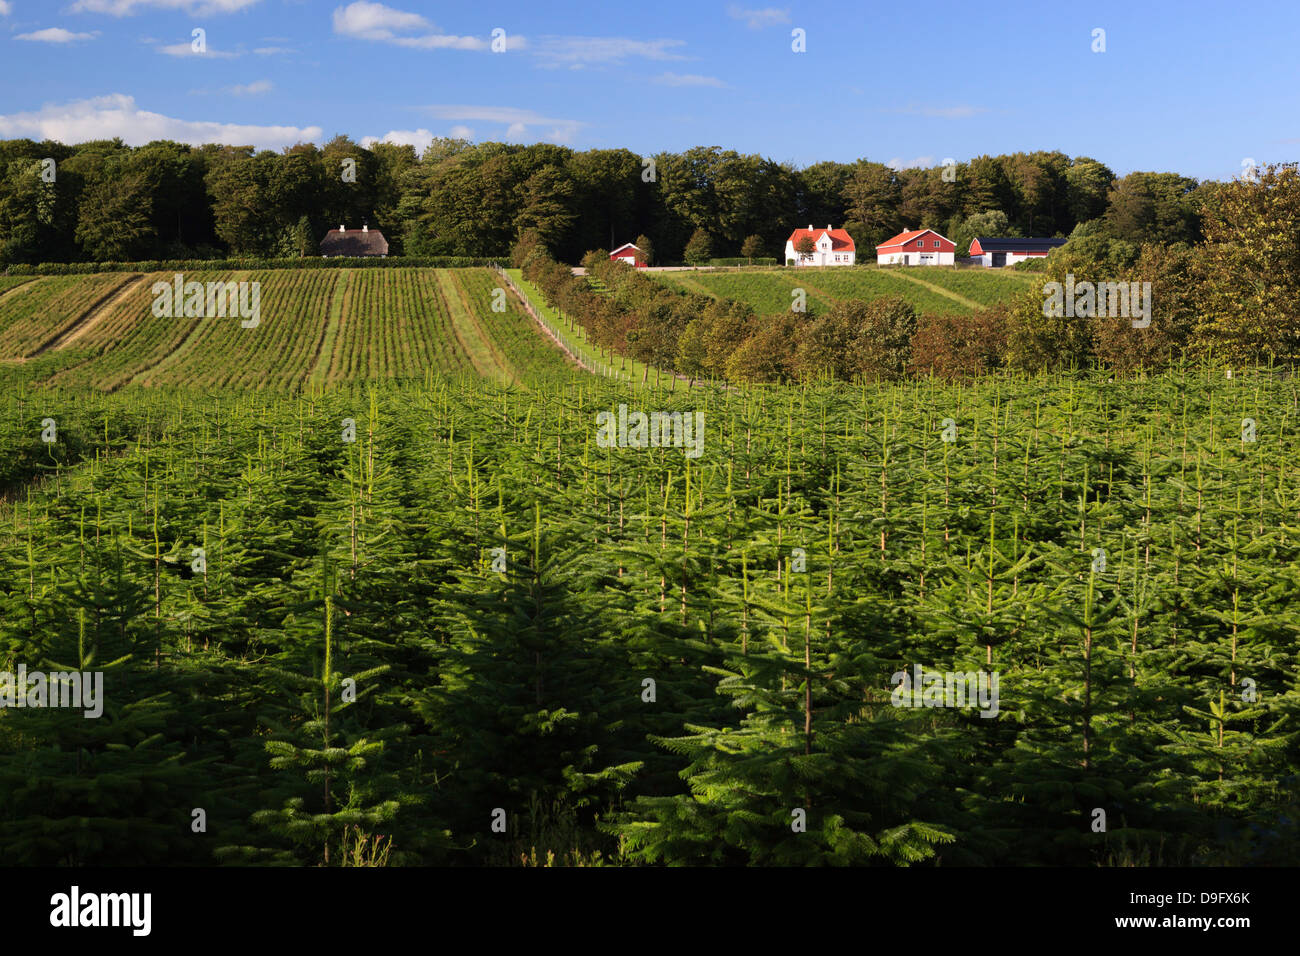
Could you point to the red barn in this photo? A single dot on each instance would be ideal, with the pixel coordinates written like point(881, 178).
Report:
point(627, 253)
point(916, 247)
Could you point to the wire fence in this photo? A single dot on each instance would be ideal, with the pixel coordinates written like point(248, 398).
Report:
point(560, 334)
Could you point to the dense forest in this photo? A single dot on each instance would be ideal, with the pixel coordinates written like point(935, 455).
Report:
point(106, 201)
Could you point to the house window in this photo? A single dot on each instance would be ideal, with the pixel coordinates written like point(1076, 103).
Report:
point(936, 243)
point(920, 243)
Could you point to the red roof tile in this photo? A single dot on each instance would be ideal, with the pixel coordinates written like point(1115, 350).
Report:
point(841, 241)
point(905, 237)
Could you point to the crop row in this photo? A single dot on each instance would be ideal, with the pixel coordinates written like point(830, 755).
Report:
point(319, 326)
point(529, 352)
point(38, 312)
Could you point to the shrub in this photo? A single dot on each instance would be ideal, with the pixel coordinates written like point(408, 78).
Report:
point(699, 249)
point(1251, 288)
point(883, 344)
point(741, 261)
point(766, 355)
point(1175, 308)
point(645, 250)
point(965, 346)
point(727, 324)
point(825, 342)
point(528, 242)
point(1037, 342)
point(752, 248)
point(595, 259)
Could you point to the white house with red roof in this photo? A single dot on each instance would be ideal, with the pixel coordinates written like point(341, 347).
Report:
point(831, 247)
point(626, 253)
point(916, 247)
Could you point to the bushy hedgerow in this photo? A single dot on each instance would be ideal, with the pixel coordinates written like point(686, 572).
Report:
point(856, 339)
point(742, 261)
point(1174, 274)
point(960, 346)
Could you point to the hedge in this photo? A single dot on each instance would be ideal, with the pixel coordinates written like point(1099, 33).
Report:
point(210, 265)
point(742, 261)
point(1037, 264)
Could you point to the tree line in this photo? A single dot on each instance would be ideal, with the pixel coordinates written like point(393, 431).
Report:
point(107, 201)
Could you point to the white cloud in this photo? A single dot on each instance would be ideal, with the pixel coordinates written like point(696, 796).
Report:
point(6, 8)
point(757, 19)
point(250, 89)
point(577, 52)
point(374, 21)
point(187, 49)
point(419, 138)
point(104, 117)
point(56, 35)
point(688, 79)
point(460, 131)
point(125, 8)
point(440, 41)
point(517, 121)
point(367, 20)
point(364, 20)
point(272, 50)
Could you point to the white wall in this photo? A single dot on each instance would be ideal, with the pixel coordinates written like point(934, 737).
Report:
point(824, 256)
point(986, 260)
point(914, 258)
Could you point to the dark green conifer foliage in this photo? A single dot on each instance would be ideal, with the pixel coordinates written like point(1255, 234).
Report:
point(114, 789)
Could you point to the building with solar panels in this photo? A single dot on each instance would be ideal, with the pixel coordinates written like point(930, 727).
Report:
point(995, 253)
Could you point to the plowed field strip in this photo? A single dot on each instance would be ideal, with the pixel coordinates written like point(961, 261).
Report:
point(340, 295)
point(92, 316)
point(477, 345)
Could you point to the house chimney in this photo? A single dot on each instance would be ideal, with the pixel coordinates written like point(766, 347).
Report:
point(365, 227)
point(810, 227)
point(341, 229)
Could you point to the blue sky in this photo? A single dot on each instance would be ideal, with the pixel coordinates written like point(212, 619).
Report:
point(1194, 87)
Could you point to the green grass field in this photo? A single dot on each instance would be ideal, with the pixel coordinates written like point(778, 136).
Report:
point(937, 290)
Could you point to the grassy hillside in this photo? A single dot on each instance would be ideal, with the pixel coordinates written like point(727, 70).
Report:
point(936, 290)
